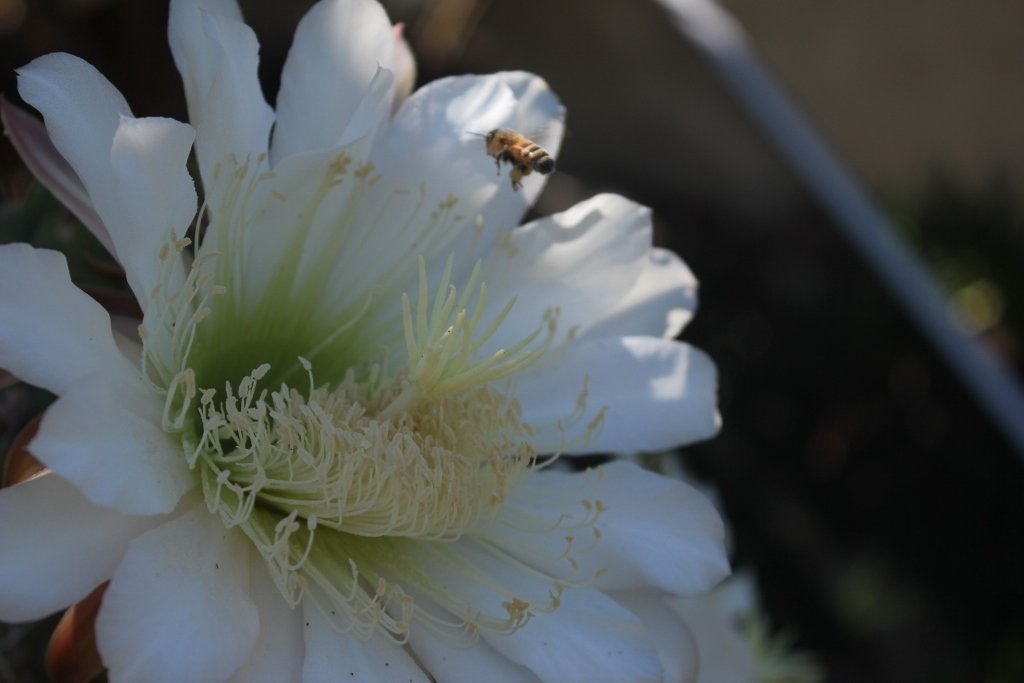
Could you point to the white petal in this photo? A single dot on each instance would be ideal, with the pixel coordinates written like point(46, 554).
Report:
point(369, 116)
point(295, 185)
point(57, 546)
point(279, 651)
point(217, 56)
point(714, 618)
point(654, 531)
point(178, 607)
point(148, 157)
point(664, 532)
point(82, 110)
point(105, 437)
point(480, 579)
point(29, 138)
point(589, 639)
point(658, 394)
point(582, 261)
point(53, 334)
point(338, 47)
point(332, 656)
point(660, 303)
point(84, 114)
point(429, 146)
point(677, 648)
point(447, 663)
point(404, 67)
point(733, 600)
point(126, 336)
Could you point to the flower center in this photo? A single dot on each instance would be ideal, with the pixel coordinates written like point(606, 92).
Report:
point(333, 460)
point(332, 457)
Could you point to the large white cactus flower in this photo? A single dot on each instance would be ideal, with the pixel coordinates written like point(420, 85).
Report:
point(324, 457)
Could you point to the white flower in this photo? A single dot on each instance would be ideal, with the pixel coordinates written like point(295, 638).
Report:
point(319, 460)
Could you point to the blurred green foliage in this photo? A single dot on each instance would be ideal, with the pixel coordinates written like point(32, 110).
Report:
point(973, 241)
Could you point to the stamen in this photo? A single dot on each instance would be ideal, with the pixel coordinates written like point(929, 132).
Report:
point(442, 344)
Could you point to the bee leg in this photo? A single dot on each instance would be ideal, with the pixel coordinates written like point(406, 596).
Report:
point(504, 157)
point(516, 175)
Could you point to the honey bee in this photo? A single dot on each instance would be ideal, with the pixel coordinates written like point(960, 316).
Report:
point(525, 155)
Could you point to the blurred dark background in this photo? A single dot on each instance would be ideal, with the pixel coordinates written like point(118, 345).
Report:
point(881, 508)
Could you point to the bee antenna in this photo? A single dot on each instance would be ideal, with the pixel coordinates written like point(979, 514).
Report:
point(479, 135)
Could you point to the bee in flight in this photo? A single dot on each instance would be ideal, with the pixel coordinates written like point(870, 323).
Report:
point(525, 155)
